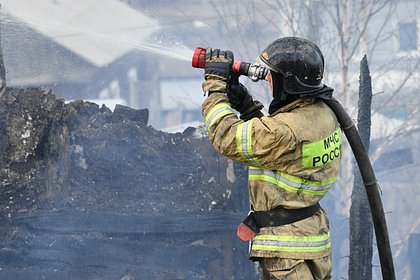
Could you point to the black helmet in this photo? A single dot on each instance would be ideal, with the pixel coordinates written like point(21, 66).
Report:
point(298, 62)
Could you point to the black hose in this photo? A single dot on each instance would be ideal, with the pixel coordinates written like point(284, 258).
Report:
point(371, 186)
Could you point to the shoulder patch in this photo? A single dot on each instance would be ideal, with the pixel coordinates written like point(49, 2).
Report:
point(321, 152)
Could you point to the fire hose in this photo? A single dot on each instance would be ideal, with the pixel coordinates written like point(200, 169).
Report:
point(257, 72)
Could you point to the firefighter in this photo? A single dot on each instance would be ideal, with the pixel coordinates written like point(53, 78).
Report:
point(293, 154)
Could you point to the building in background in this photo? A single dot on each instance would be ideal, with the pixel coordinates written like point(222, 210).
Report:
point(137, 52)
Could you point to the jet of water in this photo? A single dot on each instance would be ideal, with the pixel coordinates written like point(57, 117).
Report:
point(61, 29)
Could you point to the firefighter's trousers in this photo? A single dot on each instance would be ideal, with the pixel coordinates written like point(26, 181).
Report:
point(290, 269)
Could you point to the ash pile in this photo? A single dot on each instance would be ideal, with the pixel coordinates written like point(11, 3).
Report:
point(90, 193)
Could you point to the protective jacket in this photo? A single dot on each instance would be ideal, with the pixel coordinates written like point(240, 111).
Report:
point(293, 158)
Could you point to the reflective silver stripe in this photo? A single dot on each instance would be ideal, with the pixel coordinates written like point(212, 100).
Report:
point(244, 135)
point(244, 142)
point(291, 243)
point(291, 183)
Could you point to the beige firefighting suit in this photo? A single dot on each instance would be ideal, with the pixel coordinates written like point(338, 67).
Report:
point(293, 158)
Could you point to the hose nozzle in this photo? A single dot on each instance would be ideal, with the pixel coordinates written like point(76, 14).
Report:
point(254, 71)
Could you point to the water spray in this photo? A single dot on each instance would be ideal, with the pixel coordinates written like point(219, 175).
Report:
point(254, 71)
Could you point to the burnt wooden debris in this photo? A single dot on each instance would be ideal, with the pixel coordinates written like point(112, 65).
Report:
point(87, 193)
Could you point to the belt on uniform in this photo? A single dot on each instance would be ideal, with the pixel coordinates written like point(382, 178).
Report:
point(275, 217)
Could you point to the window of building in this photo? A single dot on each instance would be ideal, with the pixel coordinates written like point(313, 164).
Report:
point(394, 159)
point(408, 37)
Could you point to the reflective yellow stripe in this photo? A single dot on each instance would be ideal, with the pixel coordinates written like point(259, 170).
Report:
point(291, 243)
point(323, 151)
point(291, 249)
point(291, 183)
point(244, 142)
point(216, 113)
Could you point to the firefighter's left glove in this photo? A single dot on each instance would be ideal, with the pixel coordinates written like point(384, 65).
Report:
point(217, 70)
point(242, 101)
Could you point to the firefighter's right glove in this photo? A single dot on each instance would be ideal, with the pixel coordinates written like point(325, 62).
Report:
point(242, 101)
point(217, 70)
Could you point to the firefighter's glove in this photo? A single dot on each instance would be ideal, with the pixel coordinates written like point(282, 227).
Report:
point(242, 101)
point(217, 70)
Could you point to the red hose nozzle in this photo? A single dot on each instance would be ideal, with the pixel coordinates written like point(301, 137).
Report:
point(254, 71)
point(199, 58)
